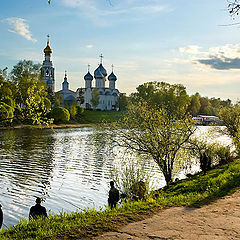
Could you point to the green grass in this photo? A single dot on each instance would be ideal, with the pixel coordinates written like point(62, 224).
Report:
point(195, 191)
point(100, 116)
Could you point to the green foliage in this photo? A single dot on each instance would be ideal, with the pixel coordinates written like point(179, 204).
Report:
point(195, 105)
point(231, 118)
point(58, 100)
point(6, 113)
point(224, 154)
point(160, 95)
point(90, 116)
point(36, 106)
point(122, 101)
point(195, 191)
point(73, 110)
point(95, 98)
point(131, 178)
point(152, 132)
point(60, 114)
point(79, 113)
point(7, 103)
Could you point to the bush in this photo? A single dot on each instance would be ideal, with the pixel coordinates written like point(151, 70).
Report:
point(6, 113)
point(79, 114)
point(60, 114)
point(131, 179)
point(224, 154)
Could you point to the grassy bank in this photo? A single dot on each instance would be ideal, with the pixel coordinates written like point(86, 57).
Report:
point(195, 191)
point(90, 116)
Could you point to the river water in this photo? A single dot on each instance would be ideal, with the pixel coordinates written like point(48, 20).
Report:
point(69, 168)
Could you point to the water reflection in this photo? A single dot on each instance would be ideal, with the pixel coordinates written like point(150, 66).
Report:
point(70, 168)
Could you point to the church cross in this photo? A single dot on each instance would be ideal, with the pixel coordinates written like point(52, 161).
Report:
point(101, 58)
point(48, 36)
point(88, 67)
point(112, 67)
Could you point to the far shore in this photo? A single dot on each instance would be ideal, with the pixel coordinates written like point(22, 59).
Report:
point(50, 126)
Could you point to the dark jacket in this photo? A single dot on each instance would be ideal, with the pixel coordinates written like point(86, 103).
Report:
point(113, 196)
point(1, 216)
point(37, 211)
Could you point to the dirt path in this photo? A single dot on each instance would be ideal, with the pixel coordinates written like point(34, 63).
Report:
point(219, 220)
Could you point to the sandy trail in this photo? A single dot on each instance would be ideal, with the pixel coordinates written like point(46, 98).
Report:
point(219, 220)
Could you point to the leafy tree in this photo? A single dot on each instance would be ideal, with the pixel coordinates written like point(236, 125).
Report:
point(151, 131)
point(73, 110)
point(36, 107)
point(30, 93)
point(161, 95)
point(60, 114)
point(204, 106)
point(194, 105)
point(7, 103)
point(79, 114)
point(231, 118)
point(95, 98)
point(122, 101)
point(58, 100)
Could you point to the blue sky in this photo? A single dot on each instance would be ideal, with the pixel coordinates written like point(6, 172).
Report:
point(177, 41)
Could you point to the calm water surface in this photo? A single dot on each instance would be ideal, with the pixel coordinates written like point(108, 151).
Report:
point(68, 168)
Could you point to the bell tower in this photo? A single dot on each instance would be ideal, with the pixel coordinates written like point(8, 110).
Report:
point(48, 69)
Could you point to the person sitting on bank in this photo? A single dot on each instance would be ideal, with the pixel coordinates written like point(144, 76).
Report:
point(113, 196)
point(37, 210)
point(1, 216)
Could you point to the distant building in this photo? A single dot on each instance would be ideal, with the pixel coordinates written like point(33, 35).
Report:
point(47, 67)
point(108, 96)
point(68, 95)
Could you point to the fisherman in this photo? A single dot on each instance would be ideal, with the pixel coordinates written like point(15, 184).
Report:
point(113, 196)
point(37, 210)
point(1, 216)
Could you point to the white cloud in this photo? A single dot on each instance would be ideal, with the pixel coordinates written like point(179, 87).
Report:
point(89, 46)
point(192, 49)
point(20, 27)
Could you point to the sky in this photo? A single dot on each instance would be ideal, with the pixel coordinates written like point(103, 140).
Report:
point(180, 41)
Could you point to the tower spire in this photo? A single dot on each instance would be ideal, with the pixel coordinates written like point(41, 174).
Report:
point(101, 58)
point(48, 36)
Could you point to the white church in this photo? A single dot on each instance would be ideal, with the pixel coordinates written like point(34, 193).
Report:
point(108, 96)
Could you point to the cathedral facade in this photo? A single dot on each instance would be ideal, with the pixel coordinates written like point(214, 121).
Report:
point(108, 95)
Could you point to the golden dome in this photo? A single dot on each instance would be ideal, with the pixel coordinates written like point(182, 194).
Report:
point(47, 49)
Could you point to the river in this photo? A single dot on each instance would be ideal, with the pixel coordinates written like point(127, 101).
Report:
point(67, 167)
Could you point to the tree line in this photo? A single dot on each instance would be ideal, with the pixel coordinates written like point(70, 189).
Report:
point(26, 99)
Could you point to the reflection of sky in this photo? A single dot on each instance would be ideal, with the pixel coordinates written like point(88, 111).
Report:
point(69, 168)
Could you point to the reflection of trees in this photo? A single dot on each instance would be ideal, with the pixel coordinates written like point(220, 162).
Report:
point(96, 157)
point(26, 160)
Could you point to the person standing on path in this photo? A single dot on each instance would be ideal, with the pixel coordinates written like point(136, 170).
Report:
point(1, 216)
point(37, 210)
point(113, 197)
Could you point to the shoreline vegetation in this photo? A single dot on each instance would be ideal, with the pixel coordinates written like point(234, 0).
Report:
point(195, 191)
point(89, 119)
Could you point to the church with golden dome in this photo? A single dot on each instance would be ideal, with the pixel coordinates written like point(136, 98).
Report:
point(108, 95)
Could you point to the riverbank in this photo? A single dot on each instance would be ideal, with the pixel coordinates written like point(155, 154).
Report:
point(89, 118)
point(50, 126)
point(196, 191)
point(218, 220)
